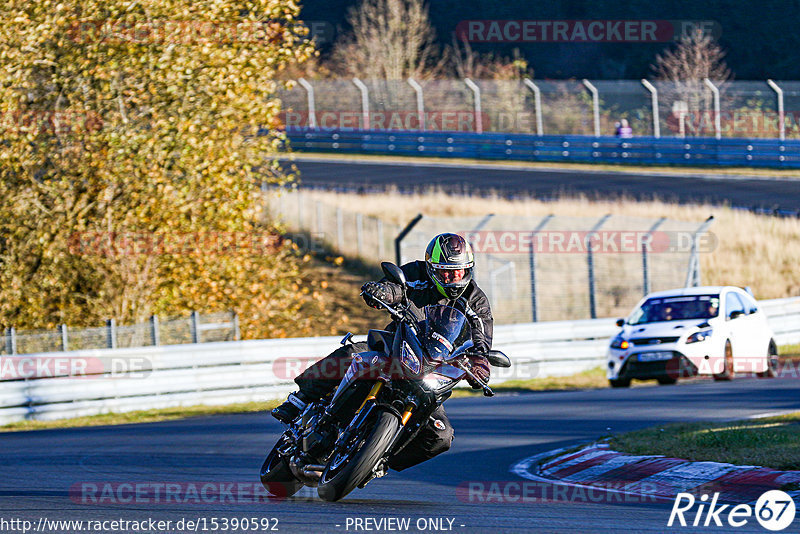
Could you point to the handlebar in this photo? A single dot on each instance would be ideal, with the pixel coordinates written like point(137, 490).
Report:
point(394, 313)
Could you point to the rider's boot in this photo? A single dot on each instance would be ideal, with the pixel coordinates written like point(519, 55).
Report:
point(291, 408)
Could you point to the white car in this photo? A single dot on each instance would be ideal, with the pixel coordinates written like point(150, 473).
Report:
point(716, 331)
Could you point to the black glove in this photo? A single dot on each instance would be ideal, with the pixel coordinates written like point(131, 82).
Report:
point(479, 366)
point(376, 290)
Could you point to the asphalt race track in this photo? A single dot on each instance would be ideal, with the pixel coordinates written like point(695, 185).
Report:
point(39, 468)
point(745, 192)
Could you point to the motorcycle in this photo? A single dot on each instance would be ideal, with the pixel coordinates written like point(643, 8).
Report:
point(384, 399)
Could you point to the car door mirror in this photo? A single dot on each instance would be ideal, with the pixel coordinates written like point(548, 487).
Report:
point(734, 314)
point(620, 322)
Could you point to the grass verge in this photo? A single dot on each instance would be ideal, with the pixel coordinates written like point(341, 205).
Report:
point(771, 442)
point(143, 416)
point(590, 379)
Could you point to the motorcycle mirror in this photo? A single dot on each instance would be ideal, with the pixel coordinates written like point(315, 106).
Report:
point(393, 273)
point(498, 359)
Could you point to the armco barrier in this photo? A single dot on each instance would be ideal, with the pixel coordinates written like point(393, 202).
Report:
point(696, 151)
point(240, 371)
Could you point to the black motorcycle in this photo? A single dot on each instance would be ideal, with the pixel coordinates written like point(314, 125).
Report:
point(386, 396)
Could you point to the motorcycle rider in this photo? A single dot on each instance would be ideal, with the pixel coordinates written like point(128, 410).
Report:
point(445, 277)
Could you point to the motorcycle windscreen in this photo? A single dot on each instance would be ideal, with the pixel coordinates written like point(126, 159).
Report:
point(446, 330)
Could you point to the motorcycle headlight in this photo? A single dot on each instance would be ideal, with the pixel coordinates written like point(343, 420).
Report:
point(697, 337)
point(409, 359)
point(619, 342)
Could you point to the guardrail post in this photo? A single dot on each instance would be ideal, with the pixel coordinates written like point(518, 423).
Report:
point(654, 102)
point(420, 103)
point(237, 335)
point(319, 216)
point(693, 271)
point(339, 230)
point(537, 103)
point(312, 108)
point(532, 267)
point(111, 334)
point(590, 264)
point(364, 102)
point(476, 91)
point(359, 232)
point(595, 105)
point(11, 340)
point(195, 327)
point(645, 244)
point(399, 239)
point(299, 210)
point(62, 328)
point(717, 117)
point(155, 337)
point(781, 116)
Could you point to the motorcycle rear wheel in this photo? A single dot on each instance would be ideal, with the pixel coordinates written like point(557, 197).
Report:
point(276, 477)
point(347, 469)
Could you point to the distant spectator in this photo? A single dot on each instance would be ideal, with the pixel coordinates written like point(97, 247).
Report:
point(623, 130)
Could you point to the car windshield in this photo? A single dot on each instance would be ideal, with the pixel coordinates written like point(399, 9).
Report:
point(445, 330)
point(676, 309)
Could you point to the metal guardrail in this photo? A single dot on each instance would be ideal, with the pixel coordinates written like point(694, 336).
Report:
point(120, 380)
point(729, 152)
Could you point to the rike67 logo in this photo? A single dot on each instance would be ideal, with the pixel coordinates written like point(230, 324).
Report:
point(774, 510)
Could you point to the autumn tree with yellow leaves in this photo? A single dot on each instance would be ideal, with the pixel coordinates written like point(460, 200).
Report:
point(130, 164)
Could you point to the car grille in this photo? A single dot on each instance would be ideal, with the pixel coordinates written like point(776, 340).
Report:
point(654, 340)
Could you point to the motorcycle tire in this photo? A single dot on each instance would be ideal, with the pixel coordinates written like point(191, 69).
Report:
point(276, 477)
point(341, 478)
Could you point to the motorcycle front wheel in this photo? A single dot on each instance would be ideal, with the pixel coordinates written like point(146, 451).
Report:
point(352, 465)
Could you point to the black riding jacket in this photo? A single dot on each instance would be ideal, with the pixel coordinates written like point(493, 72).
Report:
point(472, 302)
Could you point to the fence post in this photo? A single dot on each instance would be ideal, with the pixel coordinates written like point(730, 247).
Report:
point(537, 102)
point(319, 216)
point(590, 264)
point(717, 118)
point(595, 105)
point(781, 117)
point(399, 239)
point(237, 335)
point(312, 108)
point(476, 91)
point(654, 101)
point(420, 103)
point(299, 210)
point(11, 340)
point(195, 326)
point(155, 337)
point(646, 240)
point(532, 266)
point(364, 102)
point(111, 334)
point(339, 230)
point(693, 271)
point(62, 328)
point(380, 238)
point(359, 231)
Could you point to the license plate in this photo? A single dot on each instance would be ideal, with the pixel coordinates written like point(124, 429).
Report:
point(655, 356)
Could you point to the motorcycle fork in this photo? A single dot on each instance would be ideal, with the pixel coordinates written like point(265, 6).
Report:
point(373, 393)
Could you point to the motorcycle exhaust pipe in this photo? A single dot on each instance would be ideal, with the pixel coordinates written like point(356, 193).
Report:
point(312, 469)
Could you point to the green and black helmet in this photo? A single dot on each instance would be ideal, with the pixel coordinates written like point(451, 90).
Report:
point(450, 262)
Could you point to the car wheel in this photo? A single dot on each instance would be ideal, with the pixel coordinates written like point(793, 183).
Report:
point(667, 380)
point(727, 371)
point(620, 383)
point(772, 362)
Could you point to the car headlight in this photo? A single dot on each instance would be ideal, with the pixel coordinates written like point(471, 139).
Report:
point(697, 337)
point(619, 342)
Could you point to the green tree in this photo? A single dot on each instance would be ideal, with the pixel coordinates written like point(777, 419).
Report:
point(129, 153)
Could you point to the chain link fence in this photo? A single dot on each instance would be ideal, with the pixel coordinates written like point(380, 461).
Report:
point(531, 268)
point(196, 328)
point(694, 108)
